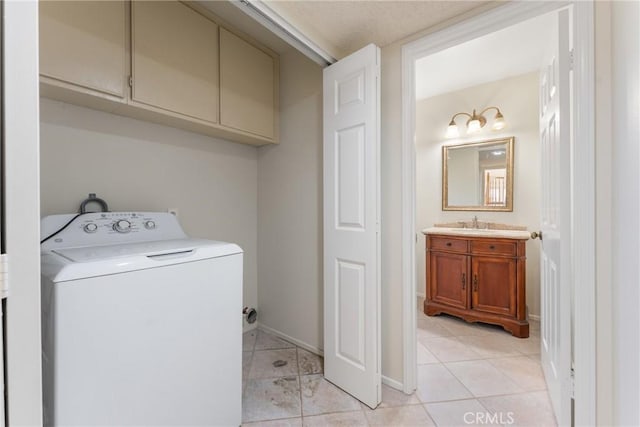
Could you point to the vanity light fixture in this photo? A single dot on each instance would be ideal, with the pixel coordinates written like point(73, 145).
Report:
point(476, 122)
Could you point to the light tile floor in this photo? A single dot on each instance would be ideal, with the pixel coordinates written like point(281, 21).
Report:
point(468, 374)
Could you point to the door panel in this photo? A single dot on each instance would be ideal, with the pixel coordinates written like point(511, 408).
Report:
point(350, 282)
point(350, 197)
point(555, 263)
point(351, 225)
point(174, 59)
point(247, 98)
point(489, 278)
point(449, 279)
point(84, 43)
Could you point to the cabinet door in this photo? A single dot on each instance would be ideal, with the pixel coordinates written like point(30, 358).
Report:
point(247, 85)
point(174, 59)
point(448, 279)
point(83, 43)
point(493, 282)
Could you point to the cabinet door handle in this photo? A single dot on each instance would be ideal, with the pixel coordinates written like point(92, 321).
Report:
point(464, 281)
point(475, 283)
point(492, 247)
point(448, 243)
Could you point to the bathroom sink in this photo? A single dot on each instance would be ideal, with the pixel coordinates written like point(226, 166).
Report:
point(479, 232)
point(468, 231)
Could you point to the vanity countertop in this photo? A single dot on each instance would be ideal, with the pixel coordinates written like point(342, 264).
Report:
point(475, 232)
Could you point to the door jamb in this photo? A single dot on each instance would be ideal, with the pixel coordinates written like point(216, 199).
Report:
point(582, 172)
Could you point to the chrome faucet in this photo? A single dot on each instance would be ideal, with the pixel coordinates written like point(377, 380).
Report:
point(474, 223)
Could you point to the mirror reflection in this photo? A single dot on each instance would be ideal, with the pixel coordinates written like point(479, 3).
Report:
point(478, 176)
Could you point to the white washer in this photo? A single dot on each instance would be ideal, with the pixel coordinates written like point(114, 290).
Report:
point(141, 324)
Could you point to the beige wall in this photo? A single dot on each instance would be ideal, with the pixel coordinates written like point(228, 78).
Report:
point(517, 98)
point(603, 156)
point(141, 166)
point(391, 215)
point(290, 209)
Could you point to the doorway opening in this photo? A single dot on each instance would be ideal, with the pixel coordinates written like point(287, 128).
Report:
point(465, 87)
point(500, 70)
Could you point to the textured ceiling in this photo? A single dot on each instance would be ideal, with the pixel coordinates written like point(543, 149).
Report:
point(342, 27)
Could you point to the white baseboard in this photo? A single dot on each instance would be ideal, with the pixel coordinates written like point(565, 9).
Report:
point(312, 349)
point(421, 295)
point(392, 383)
point(534, 317)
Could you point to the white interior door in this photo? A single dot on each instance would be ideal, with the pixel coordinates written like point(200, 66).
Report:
point(351, 225)
point(555, 139)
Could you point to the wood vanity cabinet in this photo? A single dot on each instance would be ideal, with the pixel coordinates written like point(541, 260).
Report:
point(478, 279)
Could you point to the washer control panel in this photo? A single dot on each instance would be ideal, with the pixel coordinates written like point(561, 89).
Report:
point(90, 228)
point(118, 222)
point(103, 228)
point(122, 226)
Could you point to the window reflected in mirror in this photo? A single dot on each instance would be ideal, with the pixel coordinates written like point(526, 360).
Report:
point(478, 176)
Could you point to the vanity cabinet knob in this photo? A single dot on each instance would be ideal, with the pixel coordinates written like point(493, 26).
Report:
point(448, 243)
point(492, 247)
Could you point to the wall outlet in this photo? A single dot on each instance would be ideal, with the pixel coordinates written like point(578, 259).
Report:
point(173, 211)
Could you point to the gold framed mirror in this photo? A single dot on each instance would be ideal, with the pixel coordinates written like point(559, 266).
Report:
point(478, 176)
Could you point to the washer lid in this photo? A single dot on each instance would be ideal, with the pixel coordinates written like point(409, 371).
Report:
point(147, 249)
point(91, 261)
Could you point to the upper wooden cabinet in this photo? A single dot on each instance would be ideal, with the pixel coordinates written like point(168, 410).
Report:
point(163, 61)
point(174, 59)
point(85, 44)
point(247, 90)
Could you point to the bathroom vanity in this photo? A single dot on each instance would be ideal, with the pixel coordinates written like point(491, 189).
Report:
point(478, 275)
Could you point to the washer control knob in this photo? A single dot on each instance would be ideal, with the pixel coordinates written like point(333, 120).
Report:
point(150, 225)
point(90, 228)
point(122, 226)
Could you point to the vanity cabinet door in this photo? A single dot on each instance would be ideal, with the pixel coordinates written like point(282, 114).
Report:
point(449, 279)
point(493, 285)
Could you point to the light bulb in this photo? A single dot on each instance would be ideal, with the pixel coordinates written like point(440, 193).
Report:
point(473, 126)
point(452, 131)
point(499, 122)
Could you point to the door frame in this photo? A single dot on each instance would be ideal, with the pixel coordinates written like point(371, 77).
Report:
point(582, 268)
point(23, 350)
